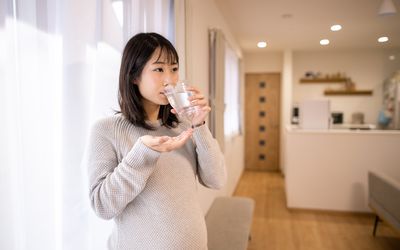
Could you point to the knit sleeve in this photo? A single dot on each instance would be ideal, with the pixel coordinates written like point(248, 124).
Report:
point(113, 185)
point(211, 171)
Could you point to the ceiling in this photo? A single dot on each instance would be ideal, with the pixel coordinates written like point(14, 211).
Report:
point(301, 24)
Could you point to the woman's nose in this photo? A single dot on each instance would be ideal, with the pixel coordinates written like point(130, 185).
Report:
point(171, 78)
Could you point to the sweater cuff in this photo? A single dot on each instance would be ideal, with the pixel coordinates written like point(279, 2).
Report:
point(203, 137)
point(141, 156)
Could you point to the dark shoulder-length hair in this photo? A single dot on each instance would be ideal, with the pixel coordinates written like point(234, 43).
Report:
point(137, 53)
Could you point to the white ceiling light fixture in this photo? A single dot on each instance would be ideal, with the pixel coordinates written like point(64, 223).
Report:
point(324, 42)
point(261, 44)
point(387, 8)
point(383, 39)
point(336, 27)
point(392, 57)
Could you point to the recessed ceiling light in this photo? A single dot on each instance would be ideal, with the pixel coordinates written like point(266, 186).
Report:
point(287, 15)
point(262, 44)
point(336, 27)
point(324, 42)
point(383, 39)
point(392, 57)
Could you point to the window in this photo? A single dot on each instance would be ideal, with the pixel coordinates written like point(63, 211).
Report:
point(58, 73)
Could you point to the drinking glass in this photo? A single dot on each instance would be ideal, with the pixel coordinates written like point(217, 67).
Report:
point(178, 98)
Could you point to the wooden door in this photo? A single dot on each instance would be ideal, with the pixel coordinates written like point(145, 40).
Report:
point(262, 105)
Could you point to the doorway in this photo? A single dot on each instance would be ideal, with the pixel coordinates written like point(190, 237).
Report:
point(262, 120)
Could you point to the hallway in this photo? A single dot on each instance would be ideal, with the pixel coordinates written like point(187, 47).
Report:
point(277, 228)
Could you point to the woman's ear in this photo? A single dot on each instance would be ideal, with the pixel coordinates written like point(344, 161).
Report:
point(136, 81)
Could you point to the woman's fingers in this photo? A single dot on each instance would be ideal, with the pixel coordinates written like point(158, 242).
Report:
point(182, 135)
point(196, 97)
point(206, 109)
point(149, 141)
point(163, 139)
point(166, 143)
point(181, 139)
point(193, 89)
point(199, 102)
point(178, 141)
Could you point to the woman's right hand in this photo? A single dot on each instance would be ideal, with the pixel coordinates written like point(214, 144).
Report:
point(166, 143)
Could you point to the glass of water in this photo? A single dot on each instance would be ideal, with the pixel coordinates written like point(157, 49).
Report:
point(178, 97)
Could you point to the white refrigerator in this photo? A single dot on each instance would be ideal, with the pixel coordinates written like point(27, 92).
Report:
point(314, 114)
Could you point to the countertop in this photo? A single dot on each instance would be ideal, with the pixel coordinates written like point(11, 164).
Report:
point(343, 130)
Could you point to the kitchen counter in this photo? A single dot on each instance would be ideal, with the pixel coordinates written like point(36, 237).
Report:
point(327, 169)
point(341, 130)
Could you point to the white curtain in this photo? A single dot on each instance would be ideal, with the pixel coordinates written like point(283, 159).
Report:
point(217, 85)
point(59, 73)
point(231, 93)
point(224, 88)
point(149, 16)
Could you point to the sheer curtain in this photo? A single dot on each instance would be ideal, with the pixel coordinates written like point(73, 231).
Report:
point(231, 93)
point(59, 73)
point(217, 85)
point(224, 88)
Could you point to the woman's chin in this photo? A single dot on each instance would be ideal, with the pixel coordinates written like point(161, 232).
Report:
point(163, 100)
point(164, 103)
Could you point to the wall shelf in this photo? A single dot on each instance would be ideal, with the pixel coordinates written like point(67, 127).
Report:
point(348, 92)
point(324, 80)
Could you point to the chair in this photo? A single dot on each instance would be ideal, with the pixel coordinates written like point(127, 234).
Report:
point(229, 223)
point(384, 199)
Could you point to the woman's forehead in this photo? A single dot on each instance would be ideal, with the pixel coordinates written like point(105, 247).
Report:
point(163, 55)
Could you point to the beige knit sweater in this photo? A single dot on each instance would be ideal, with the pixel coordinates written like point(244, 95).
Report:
point(151, 195)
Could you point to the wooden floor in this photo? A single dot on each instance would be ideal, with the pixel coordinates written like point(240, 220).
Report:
point(277, 228)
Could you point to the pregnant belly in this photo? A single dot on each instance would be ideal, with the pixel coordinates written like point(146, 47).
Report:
point(158, 230)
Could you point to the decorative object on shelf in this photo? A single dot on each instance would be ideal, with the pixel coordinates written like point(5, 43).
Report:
point(349, 85)
point(357, 118)
point(311, 77)
point(337, 117)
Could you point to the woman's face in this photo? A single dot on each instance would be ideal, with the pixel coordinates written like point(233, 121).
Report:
point(156, 72)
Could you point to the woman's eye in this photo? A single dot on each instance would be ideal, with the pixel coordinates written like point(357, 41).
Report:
point(159, 70)
point(175, 69)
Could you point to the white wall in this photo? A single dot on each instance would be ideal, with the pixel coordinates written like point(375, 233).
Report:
point(259, 62)
point(201, 16)
point(286, 103)
point(367, 69)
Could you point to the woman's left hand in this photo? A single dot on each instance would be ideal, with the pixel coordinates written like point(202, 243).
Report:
point(199, 100)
